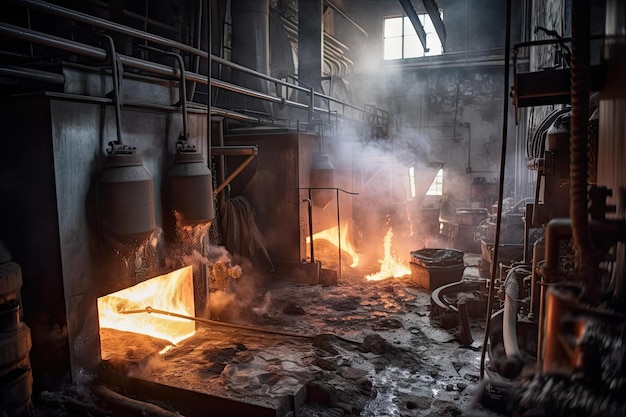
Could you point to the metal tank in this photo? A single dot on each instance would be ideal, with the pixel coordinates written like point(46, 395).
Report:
point(189, 187)
point(125, 199)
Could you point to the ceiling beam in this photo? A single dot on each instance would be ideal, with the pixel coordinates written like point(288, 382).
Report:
point(412, 14)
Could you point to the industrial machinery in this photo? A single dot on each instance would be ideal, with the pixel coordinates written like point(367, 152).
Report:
point(557, 321)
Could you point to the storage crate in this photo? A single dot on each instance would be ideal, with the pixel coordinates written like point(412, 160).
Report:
point(431, 268)
point(433, 277)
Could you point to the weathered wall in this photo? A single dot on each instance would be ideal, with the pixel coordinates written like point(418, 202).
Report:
point(447, 108)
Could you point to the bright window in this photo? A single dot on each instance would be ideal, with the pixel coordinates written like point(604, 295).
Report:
point(436, 188)
point(400, 39)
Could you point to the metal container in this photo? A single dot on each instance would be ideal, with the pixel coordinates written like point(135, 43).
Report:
point(190, 188)
point(322, 176)
point(125, 200)
point(470, 216)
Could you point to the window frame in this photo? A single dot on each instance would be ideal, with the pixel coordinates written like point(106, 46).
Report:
point(404, 19)
point(437, 184)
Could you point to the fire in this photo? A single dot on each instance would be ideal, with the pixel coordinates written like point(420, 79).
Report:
point(332, 235)
point(390, 266)
point(172, 292)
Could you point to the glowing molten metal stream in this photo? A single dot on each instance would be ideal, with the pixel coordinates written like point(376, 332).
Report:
point(172, 292)
point(332, 236)
point(390, 266)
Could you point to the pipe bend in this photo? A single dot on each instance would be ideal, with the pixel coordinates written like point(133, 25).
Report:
point(556, 231)
point(509, 318)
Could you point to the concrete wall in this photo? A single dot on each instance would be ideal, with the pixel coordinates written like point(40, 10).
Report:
point(447, 108)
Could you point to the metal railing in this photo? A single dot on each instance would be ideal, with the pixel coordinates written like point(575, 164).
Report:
point(342, 108)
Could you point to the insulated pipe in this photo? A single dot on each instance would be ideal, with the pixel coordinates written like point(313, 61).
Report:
point(509, 318)
point(108, 25)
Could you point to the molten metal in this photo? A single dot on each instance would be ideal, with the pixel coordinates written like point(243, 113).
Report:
point(332, 236)
point(171, 292)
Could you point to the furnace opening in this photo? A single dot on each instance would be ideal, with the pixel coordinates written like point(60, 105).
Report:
point(128, 310)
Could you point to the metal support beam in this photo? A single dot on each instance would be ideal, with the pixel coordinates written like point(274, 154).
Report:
point(412, 14)
point(433, 11)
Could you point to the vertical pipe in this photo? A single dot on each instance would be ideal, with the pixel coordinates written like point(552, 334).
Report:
point(338, 229)
point(505, 120)
point(311, 226)
point(579, 160)
point(116, 87)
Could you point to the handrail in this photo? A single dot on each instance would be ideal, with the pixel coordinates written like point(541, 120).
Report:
point(106, 24)
point(143, 65)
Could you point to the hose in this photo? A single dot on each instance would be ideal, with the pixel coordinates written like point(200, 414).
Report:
point(509, 318)
point(208, 322)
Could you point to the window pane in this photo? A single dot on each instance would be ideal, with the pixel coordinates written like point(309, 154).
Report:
point(412, 47)
point(409, 29)
point(436, 188)
point(428, 24)
point(392, 48)
point(393, 27)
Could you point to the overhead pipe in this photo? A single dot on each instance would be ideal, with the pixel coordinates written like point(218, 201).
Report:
point(154, 68)
point(108, 25)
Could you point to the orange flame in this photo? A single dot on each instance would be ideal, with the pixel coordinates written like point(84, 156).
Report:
point(390, 266)
point(172, 292)
point(332, 236)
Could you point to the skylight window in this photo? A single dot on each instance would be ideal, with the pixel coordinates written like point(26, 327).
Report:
point(400, 40)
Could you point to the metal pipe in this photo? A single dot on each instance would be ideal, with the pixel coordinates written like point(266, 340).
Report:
point(116, 87)
point(246, 70)
point(247, 91)
point(140, 64)
point(229, 114)
point(108, 25)
point(310, 208)
point(585, 263)
point(31, 74)
point(505, 119)
point(556, 231)
point(183, 86)
point(338, 232)
point(345, 16)
point(509, 318)
point(236, 172)
point(235, 150)
point(94, 52)
point(196, 67)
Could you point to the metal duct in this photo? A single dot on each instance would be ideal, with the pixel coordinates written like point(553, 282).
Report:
point(250, 44)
